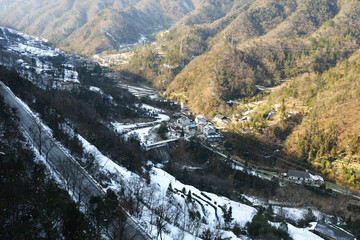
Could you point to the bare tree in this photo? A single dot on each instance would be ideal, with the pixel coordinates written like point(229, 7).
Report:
point(116, 218)
point(149, 201)
point(118, 226)
point(137, 187)
point(73, 178)
point(161, 223)
point(165, 214)
point(48, 146)
point(36, 133)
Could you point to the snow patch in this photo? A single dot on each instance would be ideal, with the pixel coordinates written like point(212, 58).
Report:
point(105, 163)
point(160, 117)
point(241, 213)
point(96, 89)
point(301, 233)
point(145, 135)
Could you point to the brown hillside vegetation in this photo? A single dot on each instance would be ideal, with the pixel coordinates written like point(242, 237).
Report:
point(206, 60)
point(271, 40)
point(328, 137)
point(89, 27)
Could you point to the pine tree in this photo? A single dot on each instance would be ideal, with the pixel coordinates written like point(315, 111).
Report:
point(189, 197)
point(169, 190)
point(227, 215)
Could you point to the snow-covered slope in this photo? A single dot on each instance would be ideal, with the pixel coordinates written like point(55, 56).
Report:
point(174, 202)
point(184, 211)
point(36, 60)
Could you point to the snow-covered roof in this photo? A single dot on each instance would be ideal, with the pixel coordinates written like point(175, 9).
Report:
point(184, 120)
point(316, 177)
point(209, 130)
point(200, 119)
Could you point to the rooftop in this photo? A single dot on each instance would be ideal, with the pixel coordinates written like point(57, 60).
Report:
point(219, 116)
point(298, 174)
point(331, 232)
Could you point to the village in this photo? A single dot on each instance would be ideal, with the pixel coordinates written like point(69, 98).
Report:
point(183, 125)
point(210, 134)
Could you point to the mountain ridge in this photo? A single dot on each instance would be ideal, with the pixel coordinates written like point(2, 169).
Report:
point(66, 23)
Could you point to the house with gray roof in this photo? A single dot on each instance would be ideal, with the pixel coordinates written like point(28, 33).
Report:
point(221, 119)
point(211, 134)
point(301, 176)
point(183, 121)
point(304, 177)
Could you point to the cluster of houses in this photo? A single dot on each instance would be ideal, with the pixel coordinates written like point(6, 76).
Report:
point(300, 177)
point(203, 126)
point(207, 129)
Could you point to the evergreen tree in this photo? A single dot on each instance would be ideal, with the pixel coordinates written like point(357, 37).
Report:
point(189, 197)
point(169, 190)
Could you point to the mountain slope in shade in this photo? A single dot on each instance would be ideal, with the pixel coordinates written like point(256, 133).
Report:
point(91, 26)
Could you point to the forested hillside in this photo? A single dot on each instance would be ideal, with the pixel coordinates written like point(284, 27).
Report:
point(33, 206)
point(328, 138)
point(215, 58)
point(307, 50)
point(285, 75)
point(90, 27)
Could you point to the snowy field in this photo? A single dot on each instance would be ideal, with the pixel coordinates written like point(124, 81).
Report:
point(141, 91)
point(145, 130)
point(145, 135)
